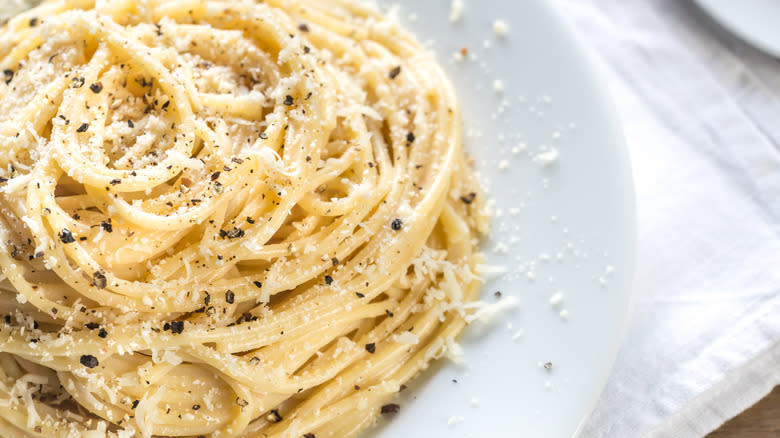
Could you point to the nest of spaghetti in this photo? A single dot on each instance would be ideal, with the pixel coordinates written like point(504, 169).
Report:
point(225, 218)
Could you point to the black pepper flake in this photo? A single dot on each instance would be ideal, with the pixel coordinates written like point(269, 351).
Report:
point(165, 105)
point(371, 348)
point(134, 405)
point(468, 199)
point(97, 87)
point(92, 325)
point(309, 435)
point(230, 297)
point(303, 27)
point(89, 361)
point(177, 327)
point(33, 22)
point(241, 402)
point(258, 284)
point(83, 127)
point(250, 220)
point(410, 139)
point(289, 100)
point(9, 76)
point(130, 124)
point(328, 280)
point(274, 416)
point(215, 176)
point(115, 181)
point(78, 82)
point(99, 280)
point(306, 49)
point(102, 333)
point(389, 313)
point(106, 226)
point(397, 224)
point(235, 233)
point(395, 72)
point(335, 261)
point(195, 407)
point(391, 408)
point(359, 295)
point(66, 236)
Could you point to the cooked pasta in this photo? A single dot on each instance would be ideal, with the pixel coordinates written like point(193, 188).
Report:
point(225, 218)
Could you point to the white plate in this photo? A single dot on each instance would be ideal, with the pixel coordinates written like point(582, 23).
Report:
point(755, 21)
point(570, 224)
point(581, 207)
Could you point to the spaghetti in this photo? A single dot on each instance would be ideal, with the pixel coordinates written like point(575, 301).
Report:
point(224, 218)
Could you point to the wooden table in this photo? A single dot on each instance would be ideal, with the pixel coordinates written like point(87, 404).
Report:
point(762, 420)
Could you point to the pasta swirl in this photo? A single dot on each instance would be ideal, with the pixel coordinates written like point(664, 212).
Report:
point(224, 218)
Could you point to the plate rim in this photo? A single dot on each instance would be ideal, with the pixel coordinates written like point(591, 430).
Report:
point(594, 72)
point(733, 28)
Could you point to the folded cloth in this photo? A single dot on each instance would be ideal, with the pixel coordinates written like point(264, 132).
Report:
point(701, 112)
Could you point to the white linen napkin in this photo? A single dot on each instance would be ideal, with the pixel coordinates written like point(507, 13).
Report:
point(701, 112)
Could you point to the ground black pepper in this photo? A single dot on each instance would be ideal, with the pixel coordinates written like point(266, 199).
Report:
point(371, 348)
point(83, 127)
point(397, 224)
point(468, 199)
point(99, 280)
point(230, 297)
point(235, 233)
point(66, 236)
point(97, 87)
point(274, 416)
point(89, 361)
point(395, 72)
point(176, 327)
point(391, 408)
